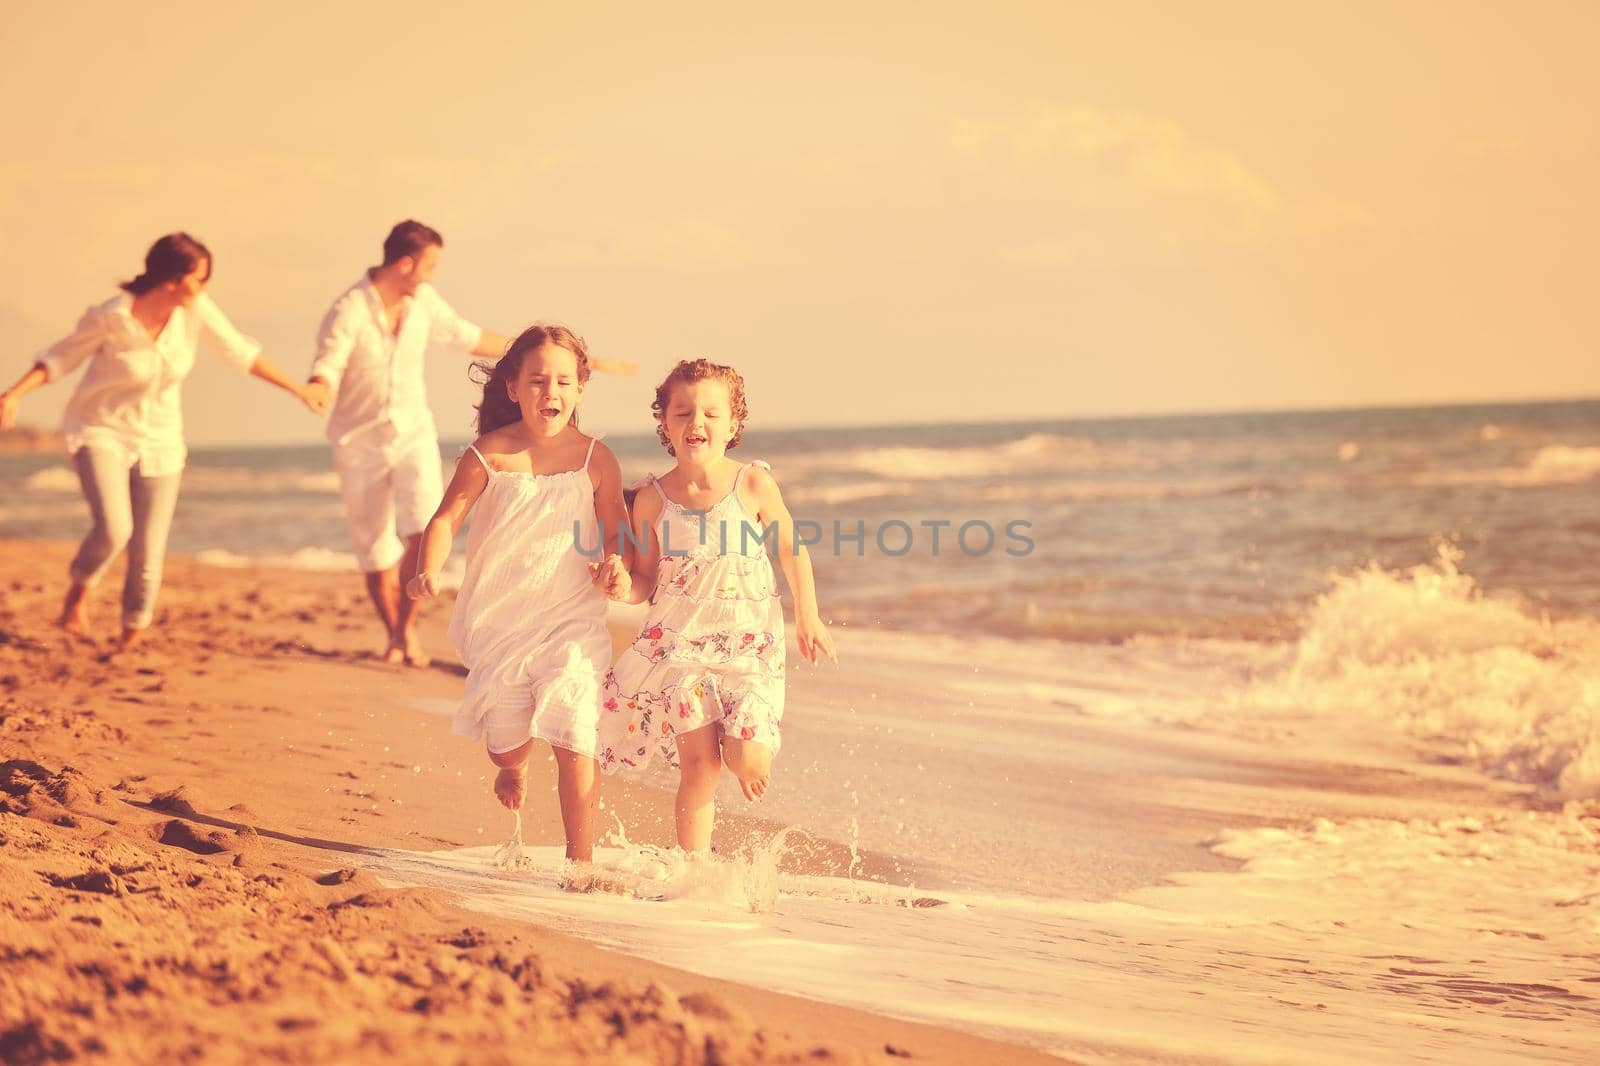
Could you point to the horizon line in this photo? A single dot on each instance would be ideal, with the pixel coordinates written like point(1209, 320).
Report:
point(1128, 416)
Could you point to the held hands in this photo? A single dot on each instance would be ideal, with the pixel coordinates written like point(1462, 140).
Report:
point(815, 643)
point(611, 577)
point(423, 585)
point(316, 396)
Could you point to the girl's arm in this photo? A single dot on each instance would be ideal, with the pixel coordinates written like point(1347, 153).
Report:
point(466, 485)
point(811, 634)
point(609, 509)
point(635, 582)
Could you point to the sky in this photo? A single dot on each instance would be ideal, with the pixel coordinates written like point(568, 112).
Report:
point(879, 213)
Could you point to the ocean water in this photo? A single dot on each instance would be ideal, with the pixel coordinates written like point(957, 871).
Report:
point(1026, 788)
point(1218, 525)
point(1208, 609)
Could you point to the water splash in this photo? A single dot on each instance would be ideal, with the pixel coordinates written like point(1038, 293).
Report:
point(761, 875)
point(512, 856)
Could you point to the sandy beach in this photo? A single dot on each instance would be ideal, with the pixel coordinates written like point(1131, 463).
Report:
point(182, 831)
point(249, 840)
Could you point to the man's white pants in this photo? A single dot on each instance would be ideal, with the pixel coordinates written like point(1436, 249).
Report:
point(391, 487)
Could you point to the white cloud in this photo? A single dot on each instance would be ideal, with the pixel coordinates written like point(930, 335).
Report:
point(1153, 155)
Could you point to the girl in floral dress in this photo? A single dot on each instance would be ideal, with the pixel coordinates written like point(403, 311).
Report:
point(702, 685)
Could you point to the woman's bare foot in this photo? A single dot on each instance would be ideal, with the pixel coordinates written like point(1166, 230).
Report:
point(130, 637)
point(75, 611)
point(511, 785)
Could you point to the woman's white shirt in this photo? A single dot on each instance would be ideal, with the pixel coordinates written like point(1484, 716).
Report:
point(129, 398)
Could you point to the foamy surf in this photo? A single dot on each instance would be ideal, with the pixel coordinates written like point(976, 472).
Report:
point(1327, 939)
point(1427, 654)
point(208, 480)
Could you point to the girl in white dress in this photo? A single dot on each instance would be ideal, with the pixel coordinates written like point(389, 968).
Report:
point(702, 685)
point(529, 623)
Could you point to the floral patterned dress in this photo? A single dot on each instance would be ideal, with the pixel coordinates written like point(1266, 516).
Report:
point(712, 647)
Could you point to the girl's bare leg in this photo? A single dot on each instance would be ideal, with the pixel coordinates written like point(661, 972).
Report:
point(750, 762)
point(511, 784)
point(578, 786)
point(700, 764)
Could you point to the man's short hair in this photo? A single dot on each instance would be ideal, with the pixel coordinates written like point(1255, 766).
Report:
point(409, 238)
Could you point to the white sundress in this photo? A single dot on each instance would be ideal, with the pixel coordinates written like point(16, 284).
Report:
point(529, 624)
point(712, 648)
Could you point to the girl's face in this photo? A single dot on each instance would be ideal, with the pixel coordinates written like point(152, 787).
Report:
point(699, 420)
point(547, 389)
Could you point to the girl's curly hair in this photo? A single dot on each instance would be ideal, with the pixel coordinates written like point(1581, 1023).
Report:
point(689, 371)
point(497, 408)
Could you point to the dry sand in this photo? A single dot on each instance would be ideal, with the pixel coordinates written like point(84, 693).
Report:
point(181, 838)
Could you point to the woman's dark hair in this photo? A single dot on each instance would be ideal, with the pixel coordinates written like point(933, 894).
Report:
point(689, 371)
point(409, 238)
point(171, 258)
point(497, 408)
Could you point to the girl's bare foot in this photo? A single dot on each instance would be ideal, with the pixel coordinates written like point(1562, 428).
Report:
point(394, 655)
point(511, 785)
point(130, 637)
point(578, 876)
point(75, 611)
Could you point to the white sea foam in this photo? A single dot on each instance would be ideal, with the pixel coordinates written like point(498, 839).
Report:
point(226, 479)
point(302, 559)
point(1425, 652)
point(1328, 939)
point(1553, 464)
point(1037, 452)
point(52, 479)
point(209, 479)
point(1121, 490)
point(837, 492)
point(321, 559)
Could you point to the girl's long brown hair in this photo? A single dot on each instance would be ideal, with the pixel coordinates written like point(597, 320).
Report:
point(497, 409)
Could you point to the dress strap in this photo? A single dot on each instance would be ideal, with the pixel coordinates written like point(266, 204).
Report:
point(487, 468)
point(590, 453)
point(738, 479)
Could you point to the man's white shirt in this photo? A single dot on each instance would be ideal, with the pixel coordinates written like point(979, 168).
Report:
point(376, 374)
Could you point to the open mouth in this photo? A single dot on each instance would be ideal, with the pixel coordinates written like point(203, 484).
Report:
point(549, 412)
point(694, 440)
